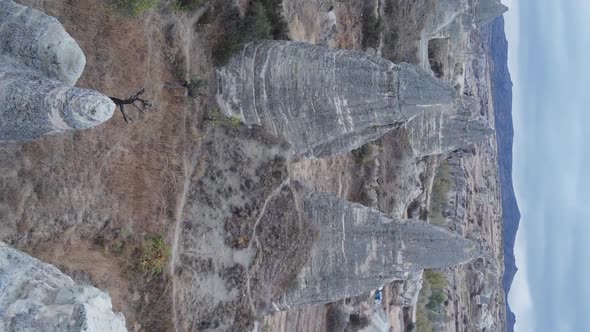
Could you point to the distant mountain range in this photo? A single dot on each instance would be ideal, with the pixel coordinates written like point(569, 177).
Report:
point(502, 98)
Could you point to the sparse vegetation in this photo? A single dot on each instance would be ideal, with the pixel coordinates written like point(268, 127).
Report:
point(439, 196)
point(431, 302)
point(366, 153)
point(263, 20)
point(155, 255)
point(436, 279)
point(195, 86)
point(220, 119)
point(372, 27)
point(133, 7)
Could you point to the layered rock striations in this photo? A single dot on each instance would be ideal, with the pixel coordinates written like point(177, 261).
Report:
point(446, 131)
point(452, 17)
point(39, 64)
point(325, 101)
point(254, 239)
point(360, 249)
point(36, 297)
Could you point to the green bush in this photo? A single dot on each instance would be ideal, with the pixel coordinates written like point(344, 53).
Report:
point(430, 306)
point(436, 300)
point(195, 86)
point(155, 255)
point(439, 196)
point(436, 279)
point(220, 119)
point(132, 7)
point(263, 20)
point(423, 324)
point(366, 153)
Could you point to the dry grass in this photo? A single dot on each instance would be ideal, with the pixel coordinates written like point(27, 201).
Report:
point(154, 258)
point(403, 21)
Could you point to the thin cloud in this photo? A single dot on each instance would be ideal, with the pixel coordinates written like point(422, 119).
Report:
point(547, 44)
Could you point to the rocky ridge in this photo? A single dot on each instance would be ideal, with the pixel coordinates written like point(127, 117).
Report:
point(274, 244)
point(326, 101)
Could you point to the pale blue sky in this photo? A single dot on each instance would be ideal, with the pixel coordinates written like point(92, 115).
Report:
point(549, 59)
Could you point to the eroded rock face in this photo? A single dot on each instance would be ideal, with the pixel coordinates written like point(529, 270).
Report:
point(446, 131)
point(360, 249)
point(37, 297)
point(39, 64)
point(32, 105)
point(325, 101)
point(254, 239)
point(454, 16)
point(40, 42)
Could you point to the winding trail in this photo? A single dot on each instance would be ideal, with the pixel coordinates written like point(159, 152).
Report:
point(254, 238)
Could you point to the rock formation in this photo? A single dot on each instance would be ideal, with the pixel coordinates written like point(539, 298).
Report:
point(454, 16)
point(446, 131)
point(37, 297)
point(324, 101)
point(248, 229)
point(360, 249)
point(39, 64)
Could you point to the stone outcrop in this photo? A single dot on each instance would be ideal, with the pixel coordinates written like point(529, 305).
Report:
point(452, 17)
point(254, 239)
point(325, 101)
point(446, 131)
point(360, 249)
point(36, 297)
point(39, 64)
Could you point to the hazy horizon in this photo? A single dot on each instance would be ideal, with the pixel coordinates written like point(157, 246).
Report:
point(547, 45)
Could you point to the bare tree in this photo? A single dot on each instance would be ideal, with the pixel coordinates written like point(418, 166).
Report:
point(131, 101)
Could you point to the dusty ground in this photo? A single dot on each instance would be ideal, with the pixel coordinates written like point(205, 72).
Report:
point(86, 200)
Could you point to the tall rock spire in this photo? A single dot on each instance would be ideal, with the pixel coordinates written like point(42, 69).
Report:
point(448, 130)
point(324, 101)
point(360, 249)
point(39, 64)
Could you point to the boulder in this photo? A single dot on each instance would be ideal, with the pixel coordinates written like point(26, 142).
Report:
point(37, 297)
point(39, 64)
point(40, 42)
point(32, 105)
